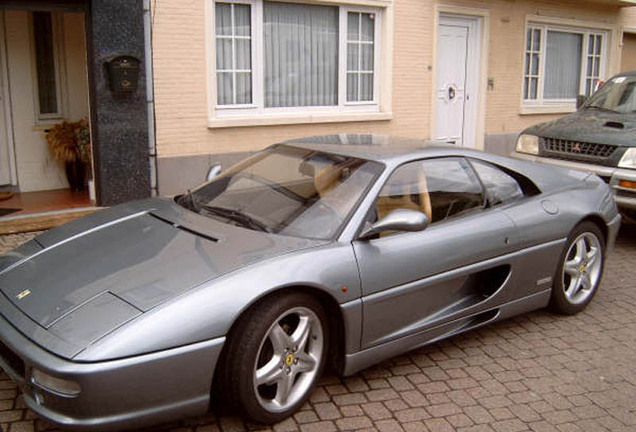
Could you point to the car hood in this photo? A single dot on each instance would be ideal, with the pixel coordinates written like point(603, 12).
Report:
point(591, 125)
point(84, 279)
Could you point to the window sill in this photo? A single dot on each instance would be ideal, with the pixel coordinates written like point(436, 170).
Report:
point(305, 118)
point(547, 109)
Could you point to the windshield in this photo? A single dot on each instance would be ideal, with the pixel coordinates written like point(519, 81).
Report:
point(288, 191)
point(618, 95)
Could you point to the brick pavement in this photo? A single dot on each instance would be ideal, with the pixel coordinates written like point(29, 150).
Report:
point(536, 372)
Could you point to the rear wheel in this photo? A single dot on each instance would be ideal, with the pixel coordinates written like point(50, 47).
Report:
point(275, 357)
point(580, 270)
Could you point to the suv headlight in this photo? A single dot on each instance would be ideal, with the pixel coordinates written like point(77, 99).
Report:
point(528, 144)
point(629, 159)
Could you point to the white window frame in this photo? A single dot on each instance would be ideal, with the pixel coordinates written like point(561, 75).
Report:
point(257, 107)
point(60, 72)
point(541, 105)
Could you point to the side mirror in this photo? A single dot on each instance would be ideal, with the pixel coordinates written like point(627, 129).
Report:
point(580, 100)
point(213, 172)
point(398, 220)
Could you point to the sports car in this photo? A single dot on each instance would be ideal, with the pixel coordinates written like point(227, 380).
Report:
point(337, 251)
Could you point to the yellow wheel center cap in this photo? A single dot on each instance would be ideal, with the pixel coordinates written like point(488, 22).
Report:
point(289, 360)
point(582, 268)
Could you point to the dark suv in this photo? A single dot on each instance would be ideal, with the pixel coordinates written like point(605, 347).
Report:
point(600, 137)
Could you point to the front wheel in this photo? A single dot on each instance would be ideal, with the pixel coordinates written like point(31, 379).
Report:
point(580, 270)
point(275, 357)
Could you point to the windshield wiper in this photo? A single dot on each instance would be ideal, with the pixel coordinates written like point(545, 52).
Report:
point(188, 201)
point(237, 216)
point(601, 108)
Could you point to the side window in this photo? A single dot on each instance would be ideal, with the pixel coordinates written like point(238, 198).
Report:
point(452, 186)
point(440, 188)
point(500, 186)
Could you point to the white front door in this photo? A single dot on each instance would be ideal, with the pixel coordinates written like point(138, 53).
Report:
point(456, 80)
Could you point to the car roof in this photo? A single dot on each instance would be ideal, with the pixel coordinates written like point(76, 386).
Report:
point(381, 148)
point(627, 73)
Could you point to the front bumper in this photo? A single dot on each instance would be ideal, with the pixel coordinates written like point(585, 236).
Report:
point(119, 394)
point(625, 197)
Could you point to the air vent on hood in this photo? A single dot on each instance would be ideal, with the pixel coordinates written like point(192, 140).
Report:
point(615, 125)
point(186, 229)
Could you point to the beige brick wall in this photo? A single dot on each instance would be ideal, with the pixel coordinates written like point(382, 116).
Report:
point(179, 28)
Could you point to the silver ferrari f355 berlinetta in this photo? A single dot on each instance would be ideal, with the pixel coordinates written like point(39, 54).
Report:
point(338, 250)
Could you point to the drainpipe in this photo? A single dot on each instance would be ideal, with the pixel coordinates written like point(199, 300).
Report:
point(150, 97)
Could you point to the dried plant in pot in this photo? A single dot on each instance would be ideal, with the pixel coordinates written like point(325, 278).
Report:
point(69, 144)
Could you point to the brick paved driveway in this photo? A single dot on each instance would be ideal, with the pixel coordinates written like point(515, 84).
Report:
point(536, 372)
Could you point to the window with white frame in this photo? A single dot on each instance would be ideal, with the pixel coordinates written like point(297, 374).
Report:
point(561, 63)
point(276, 57)
point(46, 55)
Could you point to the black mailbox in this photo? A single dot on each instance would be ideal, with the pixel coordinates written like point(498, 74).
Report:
point(123, 74)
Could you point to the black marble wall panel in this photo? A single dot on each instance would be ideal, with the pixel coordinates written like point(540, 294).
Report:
point(119, 122)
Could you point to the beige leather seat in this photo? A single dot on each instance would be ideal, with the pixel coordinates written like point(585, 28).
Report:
point(326, 179)
point(403, 199)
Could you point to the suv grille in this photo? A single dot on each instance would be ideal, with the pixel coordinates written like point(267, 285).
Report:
point(12, 360)
point(577, 148)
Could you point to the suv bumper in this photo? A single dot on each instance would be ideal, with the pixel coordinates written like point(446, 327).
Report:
point(625, 197)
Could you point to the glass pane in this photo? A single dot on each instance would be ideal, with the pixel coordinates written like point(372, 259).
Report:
point(597, 65)
point(243, 88)
point(525, 87)
point(534, 82)
point(366, 87)
point(588, 87)
point(45, 62)
point(589, 66)
point(224, 54)
point(353, 25)
point(242, 21)
point(243, 54)
point(536, 40)
point(563, 65)
point(440, 188)
point(535, 64)
point(599, 41)
point(527, 72)
point(367, 57)
point(352, 56)
point(368, 27)
point(590, 44)
point(529, 40)
point(500, 186)
point(352, 87)
point(301, 54)
point(224, 88)
point(223, 19)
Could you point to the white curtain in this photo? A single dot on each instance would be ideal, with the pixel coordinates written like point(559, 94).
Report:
point(301, 55)
point(562, 65)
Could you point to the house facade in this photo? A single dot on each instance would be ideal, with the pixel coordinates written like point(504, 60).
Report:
point(233, 76)
point(56, 58)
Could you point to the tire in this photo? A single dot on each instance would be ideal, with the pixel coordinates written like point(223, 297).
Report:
point(275, 356)
point(580, 270)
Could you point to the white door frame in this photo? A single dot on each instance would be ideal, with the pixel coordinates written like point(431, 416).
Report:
point(5, 96)
point(475, 111)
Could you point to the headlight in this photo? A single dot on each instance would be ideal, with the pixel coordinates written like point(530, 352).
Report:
point(55, 385)
point(629, 159)
point(528, 144)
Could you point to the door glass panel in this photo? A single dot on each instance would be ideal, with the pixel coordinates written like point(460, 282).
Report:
point(440, 188)
point(500, 187)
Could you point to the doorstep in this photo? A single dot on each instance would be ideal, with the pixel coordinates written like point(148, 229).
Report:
point(42, 221)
